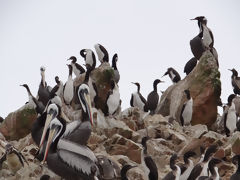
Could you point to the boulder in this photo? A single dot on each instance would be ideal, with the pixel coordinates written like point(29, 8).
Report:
point(205, 88)
point(18, 124)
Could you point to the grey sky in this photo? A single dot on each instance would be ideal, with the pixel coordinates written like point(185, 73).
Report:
point(149, 37)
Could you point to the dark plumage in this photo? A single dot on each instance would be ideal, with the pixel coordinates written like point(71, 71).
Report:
point(89, 58)
point(176, 171)
point(77, 68)
point(190, 65)
point(200, 169)
point(173, 74)
point(236, 161)
point(153, 97)
point(137, 100)
point(43, 90)
point(235, 81)
point(187, 167)
point(102, 53)
point(148, 162)
point(124, 171)
point(115, 69)
point(187, 110)
point(214, 171)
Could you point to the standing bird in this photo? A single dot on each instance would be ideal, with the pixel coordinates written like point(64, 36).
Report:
point(190, 65)
point(115, 69)
point(43, 90)
point(230, 117)
point(236, 161)
point(235, 81)
point(89, 58)
point(213, 170)
point(68, 88)
point(102, 53)
point(137, 100)
point(153, 97)
point(13, 157)
point(201, 169)
point(39, 107)
point(113, 99)
point(188, 166)
point(176, 171)
point(77, 68)
point(59, 91)
point(150, 167)
point(124, 171)
point(187, 110)
point(173, 74)
point(77, 161)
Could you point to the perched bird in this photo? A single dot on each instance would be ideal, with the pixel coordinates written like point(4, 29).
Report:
point(77, 68)
point(43, 90)
point(173, 74)
point(113, 99)
point(89, 58)
point(213, 170)
point(38, 105)
point(124, 171)
point(204, 40)
point(137, 100)
point(153, 97)
point(235, 81)
point(187, 110)
point(230, 116)
point(78, 161)
point(236, 161)
point(1, 119)
point(68, 88)
point(59, 91)
point(115, 69)
point(14, 158)
point(102, 53)
point(201, 168)
point(190, 65)
point(150, 168)
point(188, 165)
point(176, 171)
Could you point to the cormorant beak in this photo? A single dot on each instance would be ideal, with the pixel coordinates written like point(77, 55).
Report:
point(165, 74)
point(51, 135)
point(193, 19)
point(230, 70)
point(50, 116)
point(88, 107)
point(69, 59)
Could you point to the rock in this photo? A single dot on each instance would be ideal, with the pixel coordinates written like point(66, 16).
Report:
point(196, 131)
point(236, 146)
point(212, 137)
point(205, 87)
point(119, 145)
point(18, 124)
point(135, 173)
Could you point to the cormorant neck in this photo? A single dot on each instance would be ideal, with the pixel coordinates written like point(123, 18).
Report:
point(87, 76)
point(43, 79)
point(114, 64)
point(70, 71)
point(138, 88)
point(212, 170)
point(238, 169)
point(155, 86)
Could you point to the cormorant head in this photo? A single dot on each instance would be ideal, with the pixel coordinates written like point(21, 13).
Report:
point(188, 154)
point(115, 58)
point(42, 68)
point(84, 98)
point(234, 72)
point(201, 19)
point(57, 79)
point(125, 168)
point(73, 59)
point(173, 161)
point(236, 159)
point(83, 53)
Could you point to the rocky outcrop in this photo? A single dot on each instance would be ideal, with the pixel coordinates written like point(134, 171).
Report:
point(205, 88)
point(18, 124)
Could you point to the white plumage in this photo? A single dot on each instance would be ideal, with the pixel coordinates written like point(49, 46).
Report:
point(137, 102)
point(231, 121)
point(187, 112)
point(113, 100)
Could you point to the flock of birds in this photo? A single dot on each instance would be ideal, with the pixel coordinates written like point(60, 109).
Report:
point(63, 144)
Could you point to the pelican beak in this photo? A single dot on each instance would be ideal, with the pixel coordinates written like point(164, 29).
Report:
point(63, 115)
point(52, 133)
point(89, 107)
point(51, 115)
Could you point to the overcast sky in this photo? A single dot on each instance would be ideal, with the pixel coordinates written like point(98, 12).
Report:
point(149, 36)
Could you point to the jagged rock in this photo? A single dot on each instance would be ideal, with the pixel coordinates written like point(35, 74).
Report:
point(119, 145)
point(18, 124)
point(212, 137)
point(205, 87)
point(196, 131)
